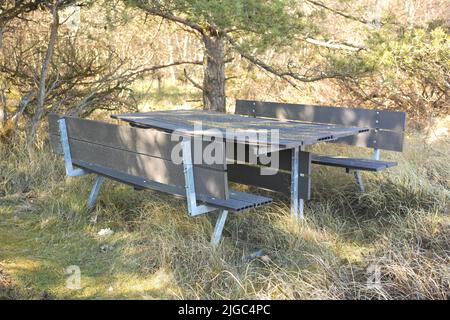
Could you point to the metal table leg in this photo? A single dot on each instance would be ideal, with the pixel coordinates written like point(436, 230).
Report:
point(294, 182)
point(193, 208)
point(217, 234)
point(94, 192)
point(359, 181)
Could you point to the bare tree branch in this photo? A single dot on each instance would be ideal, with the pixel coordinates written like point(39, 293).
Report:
point(340, 13)
point(8, 13)
point(334, 45)
point(195, 84)
point(286, 75)
point(43, 77)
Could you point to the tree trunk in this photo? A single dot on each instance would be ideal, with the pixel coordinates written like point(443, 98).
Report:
point(214, 73)
point(42, 81)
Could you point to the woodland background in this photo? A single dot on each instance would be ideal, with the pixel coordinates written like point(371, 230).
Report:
point(94, 58)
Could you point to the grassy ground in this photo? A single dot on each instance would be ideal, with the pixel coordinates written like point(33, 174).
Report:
point(400, 227)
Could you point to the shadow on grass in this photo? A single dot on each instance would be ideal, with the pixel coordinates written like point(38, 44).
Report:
point(158, 251)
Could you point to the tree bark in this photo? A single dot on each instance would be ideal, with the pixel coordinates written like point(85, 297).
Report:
point(44, 71)
point(214, 73)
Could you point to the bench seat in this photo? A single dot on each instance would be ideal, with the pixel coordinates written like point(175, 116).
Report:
point(352, 163)
point(238, 201)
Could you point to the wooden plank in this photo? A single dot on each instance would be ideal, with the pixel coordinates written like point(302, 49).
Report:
point(146, 141)
point(382, 119)
point(150, 142)
point(257, 200)
point(251, 175)
point(352, 163)
point(235, 203)
point(53, 127)
point(279, 182)
point(238, 201)
point(245, 129)
point(55, 143)
point(284, 160)
point(207, 181)
point(379, 139)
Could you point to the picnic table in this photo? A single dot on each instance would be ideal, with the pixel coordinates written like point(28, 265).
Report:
point(294, 175)
point(262, 145)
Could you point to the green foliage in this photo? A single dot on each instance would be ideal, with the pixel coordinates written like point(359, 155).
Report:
point(415, 63)
point(411, 48)
point(265, 23)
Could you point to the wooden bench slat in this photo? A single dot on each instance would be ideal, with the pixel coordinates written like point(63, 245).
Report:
point(55, 143)
point(207, 181)
point(146, 141)
point(249, 197)
point(387, 127)
point(383, 119)
point(279, 182)
point(352, 163)
point(238, 201)
point(377, 139)
point(243, 129)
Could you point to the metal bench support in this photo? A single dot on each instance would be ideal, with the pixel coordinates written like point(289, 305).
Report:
point(94, 192)
point(297, 204)
point(357, 173)
point(376, 154)
point(70, 170)
point(359, 180)
point(220, 223)
point(77, 172)
point(193, 208)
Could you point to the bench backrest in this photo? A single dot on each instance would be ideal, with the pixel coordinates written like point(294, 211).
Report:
point(387, 127)
point(139, 152)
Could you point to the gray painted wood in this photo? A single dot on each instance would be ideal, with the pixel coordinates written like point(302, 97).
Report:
point(291, 133)
point(382, 119)
point(207, 181)
point(145, 141)
point(238, 201)
point(132, 151)
point(378, 139)
point(53, 133)
point(279, 182)
point(251, 175)
point(53, 127)
point(387, 126)
point(352, 163)
point(55, 143)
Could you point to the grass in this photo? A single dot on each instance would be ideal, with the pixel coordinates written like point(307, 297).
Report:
point(168, 96)
point(400, 226)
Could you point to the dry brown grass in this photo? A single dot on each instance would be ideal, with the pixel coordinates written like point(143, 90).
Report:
point(401, 226)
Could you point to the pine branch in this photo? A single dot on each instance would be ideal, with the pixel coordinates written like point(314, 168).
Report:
point(287, 75)
point(340, 13)
point(166, 15)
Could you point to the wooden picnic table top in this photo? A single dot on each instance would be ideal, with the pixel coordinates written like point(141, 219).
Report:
point(291, 133)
